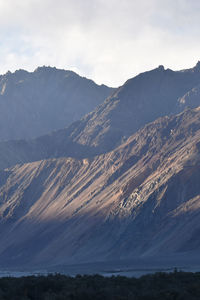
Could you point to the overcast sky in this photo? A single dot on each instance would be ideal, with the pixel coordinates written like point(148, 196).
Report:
point(106, 40)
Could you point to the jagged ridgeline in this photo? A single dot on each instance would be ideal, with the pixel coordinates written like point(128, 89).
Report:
point(140, 100)
point(35, 103)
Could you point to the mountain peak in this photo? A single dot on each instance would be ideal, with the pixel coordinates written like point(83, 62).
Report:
point(161, 68)
point(44, 68)
point(197, 67)
point(25, 96)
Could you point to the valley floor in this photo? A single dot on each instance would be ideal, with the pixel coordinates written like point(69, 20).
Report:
point(174, 285)
point(137, 267)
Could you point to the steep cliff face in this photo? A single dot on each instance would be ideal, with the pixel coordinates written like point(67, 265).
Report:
point(35, 103)
point(142, 198)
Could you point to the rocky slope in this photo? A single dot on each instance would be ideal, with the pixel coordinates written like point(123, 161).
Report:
point(141, 199)
point(140, 100)
point(35, 103)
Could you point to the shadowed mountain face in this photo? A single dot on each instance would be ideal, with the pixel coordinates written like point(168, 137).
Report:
point(33, 104)
point(143, 198)
point(140, 100)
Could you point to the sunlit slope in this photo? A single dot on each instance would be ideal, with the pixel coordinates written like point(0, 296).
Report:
point(142, 198)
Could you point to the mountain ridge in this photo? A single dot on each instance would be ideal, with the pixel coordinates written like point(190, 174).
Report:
point(111, 206)
point(35, 103)
point(139, 101)
point(121, 183)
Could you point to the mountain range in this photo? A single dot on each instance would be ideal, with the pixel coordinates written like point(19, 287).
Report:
point(140, 100)
point(120, 183)
point(36, 103)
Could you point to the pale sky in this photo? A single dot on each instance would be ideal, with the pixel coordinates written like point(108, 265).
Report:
point(108, 41)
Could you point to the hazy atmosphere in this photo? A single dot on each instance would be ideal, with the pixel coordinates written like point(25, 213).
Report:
point(108, 41)
point(99, 149)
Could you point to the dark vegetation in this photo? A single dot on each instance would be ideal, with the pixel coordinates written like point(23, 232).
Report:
point(176, 285)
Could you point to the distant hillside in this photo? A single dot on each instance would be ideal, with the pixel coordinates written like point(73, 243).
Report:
point(35, 103)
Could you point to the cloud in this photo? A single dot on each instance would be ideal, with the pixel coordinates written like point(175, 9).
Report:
point(108, 41)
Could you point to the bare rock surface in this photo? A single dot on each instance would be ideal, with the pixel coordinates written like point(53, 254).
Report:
point(141, 199)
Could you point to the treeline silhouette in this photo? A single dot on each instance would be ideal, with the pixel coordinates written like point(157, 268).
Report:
point(176, 285)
